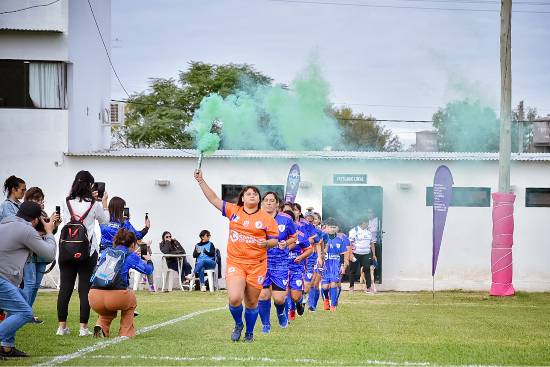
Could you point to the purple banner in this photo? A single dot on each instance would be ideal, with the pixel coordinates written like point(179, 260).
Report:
point(442, 195)
point(292, 183)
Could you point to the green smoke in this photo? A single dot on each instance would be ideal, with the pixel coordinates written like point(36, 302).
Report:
point(203, 122)
point(273, 117)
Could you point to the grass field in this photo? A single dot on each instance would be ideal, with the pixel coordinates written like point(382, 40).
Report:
point(457, 328)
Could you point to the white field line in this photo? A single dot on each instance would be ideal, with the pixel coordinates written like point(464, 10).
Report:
point(257, 359)
point(92, 348)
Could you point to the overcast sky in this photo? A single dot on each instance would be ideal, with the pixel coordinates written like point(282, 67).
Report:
point(392, 63)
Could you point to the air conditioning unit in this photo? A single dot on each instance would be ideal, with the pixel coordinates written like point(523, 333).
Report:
point(116, 116)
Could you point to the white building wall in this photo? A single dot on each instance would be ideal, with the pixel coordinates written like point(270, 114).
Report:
point(465, 255)
point(89, 76)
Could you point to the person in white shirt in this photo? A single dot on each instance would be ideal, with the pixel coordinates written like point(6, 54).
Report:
point(363, 252)
point(81, 200)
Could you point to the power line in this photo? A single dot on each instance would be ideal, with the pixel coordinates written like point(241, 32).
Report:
point(106, 51)
point(29, 7)
point(312, 2)
point(491, 2)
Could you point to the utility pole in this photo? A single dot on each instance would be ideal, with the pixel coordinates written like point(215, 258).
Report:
point(505, 95)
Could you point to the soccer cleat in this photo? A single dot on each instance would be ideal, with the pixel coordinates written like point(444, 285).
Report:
point(326, 304)
point(248, 337)
point(136, 313)
point(151, 288)
point(36, 320)
point(300, 308)
point(85, 332)
point(311, 309)
point(333, 308)
point(203, 288)
point(283, 320)
point(98, 332)
point(63, 331)
point(266, 329)
point(292, 315)
point(13, 353)
point(236, 334)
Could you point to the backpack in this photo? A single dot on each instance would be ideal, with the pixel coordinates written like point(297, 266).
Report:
point(107, 273)
point(74, 244)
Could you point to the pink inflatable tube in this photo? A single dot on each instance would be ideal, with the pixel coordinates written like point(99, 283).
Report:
point(503, 240)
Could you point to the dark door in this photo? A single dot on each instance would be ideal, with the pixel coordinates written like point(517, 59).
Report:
point(349, 205)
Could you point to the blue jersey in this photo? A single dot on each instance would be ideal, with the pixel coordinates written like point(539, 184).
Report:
point(334, 247)
point(318, 238)
point(277, 259)
point(305, 230)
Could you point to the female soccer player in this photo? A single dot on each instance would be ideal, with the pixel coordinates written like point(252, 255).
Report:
point(251, 232)
point(333, 270)
point(296, 261)
point(315, 265)
point(276, 279)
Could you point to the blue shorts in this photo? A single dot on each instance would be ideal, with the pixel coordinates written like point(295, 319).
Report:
point(332, 272)
point(311, 270)
point(276, 277)
point(296, 279)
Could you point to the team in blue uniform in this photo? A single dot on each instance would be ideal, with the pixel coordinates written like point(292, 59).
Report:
point(336, 246)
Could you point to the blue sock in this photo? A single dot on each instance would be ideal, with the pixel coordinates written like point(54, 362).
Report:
point(280, 308)
point(313, 297)
point(265, 310)
point(237, 313)
point(325, 293)
point(334, 297)
point(250, 316)
point(290, 302)
point(339, 292)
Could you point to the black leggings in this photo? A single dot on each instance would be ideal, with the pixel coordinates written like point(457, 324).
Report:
point(355, 269)
point(68, 272)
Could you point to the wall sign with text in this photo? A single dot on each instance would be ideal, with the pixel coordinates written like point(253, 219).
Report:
point(343, 179)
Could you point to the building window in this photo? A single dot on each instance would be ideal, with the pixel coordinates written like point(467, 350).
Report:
point(465, 196)
point(537, 197)
point(25, 84)
point(230, 193)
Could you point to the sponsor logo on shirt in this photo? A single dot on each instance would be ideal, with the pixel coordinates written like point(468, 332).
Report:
point(235, 218)
point(246, 223)
point(260, 279)
point(259, 224)
point(236, 236)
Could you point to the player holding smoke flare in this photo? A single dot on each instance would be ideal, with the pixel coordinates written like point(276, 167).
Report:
point(276, 279)
point(251, 232)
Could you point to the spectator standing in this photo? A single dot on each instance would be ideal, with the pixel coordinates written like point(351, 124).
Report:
point(18, 239)
point(15, 189)
point(107, 301)
point(171, 246)
point(363, 252)
point(35, 266)
point(117, 220)
point(205, 253)
point(81, 205)
point(374, 225)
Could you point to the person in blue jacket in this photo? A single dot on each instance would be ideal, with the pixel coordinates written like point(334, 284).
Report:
point(107, 301)
point(205, 253)
point(117, 221)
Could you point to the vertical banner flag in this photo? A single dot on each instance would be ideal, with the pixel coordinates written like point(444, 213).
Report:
point(442, 195)
point(292, 183)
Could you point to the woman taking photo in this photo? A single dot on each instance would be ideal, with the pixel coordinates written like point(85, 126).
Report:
point(81, 205)
point(117, 220)
point(107, 301)
point(251, 232)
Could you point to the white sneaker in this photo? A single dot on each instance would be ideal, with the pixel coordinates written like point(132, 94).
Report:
point(63, 331)
point(85, 332)
point(203, 288)
point(189, 276)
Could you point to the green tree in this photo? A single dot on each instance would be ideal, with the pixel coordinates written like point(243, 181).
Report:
point(158, 118)
point(363, 133)
point(465, 126)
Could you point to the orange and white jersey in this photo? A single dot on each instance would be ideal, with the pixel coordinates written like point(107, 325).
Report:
point(245, 231)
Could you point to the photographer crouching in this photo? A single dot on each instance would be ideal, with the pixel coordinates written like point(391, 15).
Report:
point(110, 292)
point(18, 240)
